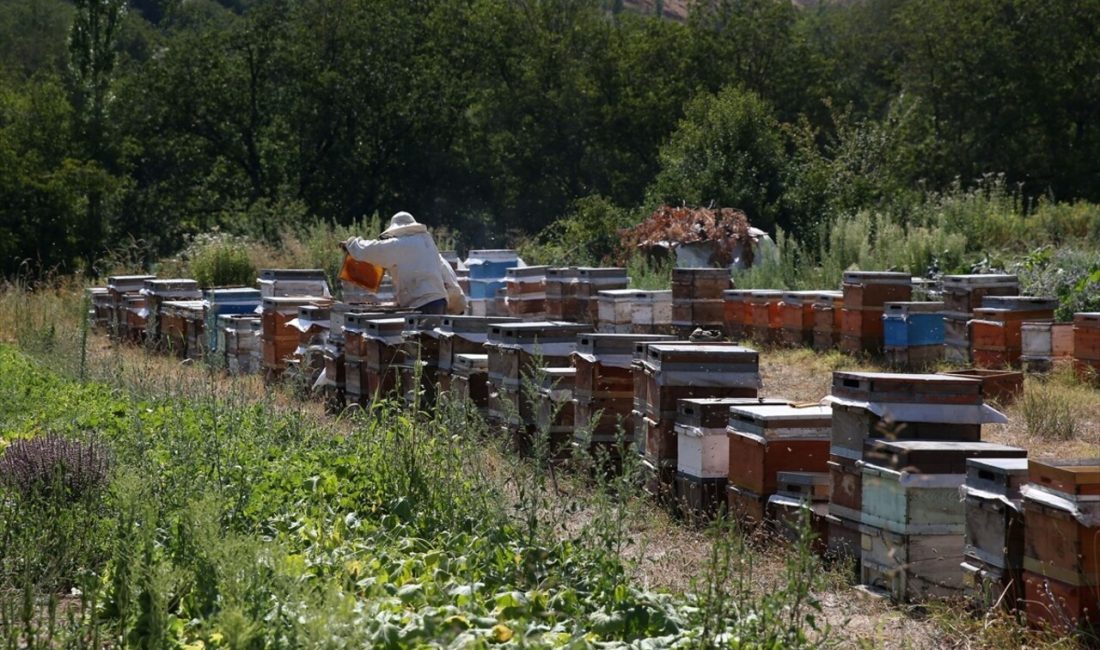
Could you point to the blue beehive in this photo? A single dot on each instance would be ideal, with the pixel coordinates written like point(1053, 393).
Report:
point(913, 324)
point(227, 302)
point(491, 264)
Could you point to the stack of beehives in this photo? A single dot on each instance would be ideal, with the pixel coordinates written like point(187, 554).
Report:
point(470, 380)
point(702, 452)
point(516, 353)
point(590, 282)
point(604, 388)
point(898, 450)
point(420, 358)
point(962, 294)
point(554, 412)
point(1086, 345)
point(796, 314)
point(99, 308)
point(913, 333)
point(697, 298)
point(124, 293)
point(765, 325)
point(865, 297)
point(562, 302)
point(225, 302)
point(993, 558)
point(525, 291)
point(1043, 344)
point(282, 292)
point(912, 519)
point(488, 269)
point(239, 341)
point(167, 331)
point(461, 335)
point(1062, 543)
point(996, 327)
point(828, 311)
point(675, 371)
point(869, 406)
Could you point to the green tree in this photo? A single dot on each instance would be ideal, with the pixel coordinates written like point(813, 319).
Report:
point(726, 152)
point(92, 41)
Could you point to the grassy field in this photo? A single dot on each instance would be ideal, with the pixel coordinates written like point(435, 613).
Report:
point(235, 515)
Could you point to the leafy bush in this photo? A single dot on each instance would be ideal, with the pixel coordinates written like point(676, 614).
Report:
point(1072, 275)
point(587, 236)
point(55, 467)
point(220, 260)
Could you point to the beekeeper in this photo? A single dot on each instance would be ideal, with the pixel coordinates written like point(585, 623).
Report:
point(423, 281)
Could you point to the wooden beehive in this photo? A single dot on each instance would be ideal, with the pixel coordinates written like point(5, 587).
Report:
point(562, 301)
point(962, 294)
point(615, 311)
point(1061, 606)
point(766, 439)
point(796, 313)
point(285, 283)
point(1076, 477)
point(737, 313)
point(525, 291)
point(652, 312)
point(119, 287)
point(699, 498)
point(470, 376)
point(766, 324)
point(872, 289)
point(591, 281)
point(801, 500)
point(913, 333)
point(744, 506)
point(934, 456)
point(911, 567)
point(1086, 345)
point(828, 308)
point(994, 551)
point(1001, 386)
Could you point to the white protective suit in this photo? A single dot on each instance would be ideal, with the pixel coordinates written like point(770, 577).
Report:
point(408, 252)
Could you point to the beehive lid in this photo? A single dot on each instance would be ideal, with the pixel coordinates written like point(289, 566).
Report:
point(426, 323)
point(980, 280)
point(601, 273)
point(525, 273)
point(876, 277)
point(1020, 303)
point(1076, 477)
point(905, 388)
point(283, 303)
point(296, 275)
point(737, 294)
point(600, 345)
point(125, 283)
point(562, 273)
point(688, 273)
point(184, 307)
point(172, 286)
point(713, 412)
point(913, 307)
point(996, 476)
point(781, 416)
point(765, 294)
point(933, 456)
point(533, 332)
point(799, 297)
point(357, 321)
point(616, 294)
point(232, 294)
point(699, 354)
point(1087, 319)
